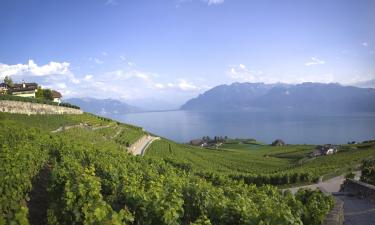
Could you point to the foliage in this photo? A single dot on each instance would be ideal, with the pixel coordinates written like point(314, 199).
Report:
point(23, 152)
point(350, 175)
point(45, 94)
point(258, 164)
point(93, 181)
point(368, 171)
point(315, 205)
point(129, 135)
point(8, 80)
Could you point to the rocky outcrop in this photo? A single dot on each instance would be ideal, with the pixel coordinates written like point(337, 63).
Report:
point(34, 108)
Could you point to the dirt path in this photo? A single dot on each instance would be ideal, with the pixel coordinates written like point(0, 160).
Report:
point(117, 133)
point(331, 186)
point(38, 203)
point(139, 147)
point(81, 125)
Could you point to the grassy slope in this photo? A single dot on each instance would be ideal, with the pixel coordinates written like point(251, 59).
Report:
point(262, 159)
point(129, 133)
point(220, 160)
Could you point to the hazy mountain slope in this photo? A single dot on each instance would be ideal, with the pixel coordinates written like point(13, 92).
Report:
point(103, 106)
point(234, 96)
point(305, 97)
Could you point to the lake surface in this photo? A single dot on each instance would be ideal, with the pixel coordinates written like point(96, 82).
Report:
point(293, 128)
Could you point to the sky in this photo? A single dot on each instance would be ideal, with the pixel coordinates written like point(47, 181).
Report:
point(163, 52)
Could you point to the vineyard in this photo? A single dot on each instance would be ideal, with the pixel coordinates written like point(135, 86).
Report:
point(89, 178)
point(260, 164)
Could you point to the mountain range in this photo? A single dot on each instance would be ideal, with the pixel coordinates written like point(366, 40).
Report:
point(103, 106)
point(311, 97)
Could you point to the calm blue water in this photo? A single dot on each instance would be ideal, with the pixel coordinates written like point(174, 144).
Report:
point(294, 128)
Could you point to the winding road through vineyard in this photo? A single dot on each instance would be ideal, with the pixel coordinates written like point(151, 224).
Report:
point(142, 144)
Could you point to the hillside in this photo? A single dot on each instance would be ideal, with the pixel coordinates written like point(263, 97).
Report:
point(261, 164)
point(75, 169)
point(300, 97)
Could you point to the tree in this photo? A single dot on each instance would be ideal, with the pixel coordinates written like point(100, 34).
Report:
point(39, 93)
point(8, 81)
point(44, 94)
point(47, 94)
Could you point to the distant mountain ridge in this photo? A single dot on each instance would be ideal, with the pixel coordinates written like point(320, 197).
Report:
point(103, 106)
point(331, 97)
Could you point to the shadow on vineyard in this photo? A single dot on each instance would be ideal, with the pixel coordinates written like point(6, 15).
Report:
point(38, 203)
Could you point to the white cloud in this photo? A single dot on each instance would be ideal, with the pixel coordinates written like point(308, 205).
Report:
point(88, 77)
point(125, 84)
point(170, 85)
point(131, 64)
point(315, 61)
point(365, 44)
point(104, 53)
point(32, 68)
point(241, 73)
point(9, 70)
point(209, 2)
point(51, 68)
point(159, 85)
point(55, 75)
point(186, 86)
point(214, 2)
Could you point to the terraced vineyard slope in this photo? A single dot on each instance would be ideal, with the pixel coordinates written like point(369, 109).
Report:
point(83, 174)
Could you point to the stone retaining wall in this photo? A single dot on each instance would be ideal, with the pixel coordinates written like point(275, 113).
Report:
point(336, 216)
point(34, 108)
point(359, 189)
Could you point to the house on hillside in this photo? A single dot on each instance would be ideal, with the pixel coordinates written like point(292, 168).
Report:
point(321, 150)
point(56, 96)
point(198, 142)
point(24, 90)
point(4, 88)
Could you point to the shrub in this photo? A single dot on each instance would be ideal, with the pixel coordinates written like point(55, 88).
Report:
point(368, 171)
point(315, 205)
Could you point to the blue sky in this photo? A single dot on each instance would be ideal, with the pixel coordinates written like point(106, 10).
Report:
point(167, 51)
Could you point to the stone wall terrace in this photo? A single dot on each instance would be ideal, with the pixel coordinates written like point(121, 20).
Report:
point(34, 108)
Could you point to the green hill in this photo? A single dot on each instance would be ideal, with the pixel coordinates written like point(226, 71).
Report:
point(261, 164)
point(65, 169)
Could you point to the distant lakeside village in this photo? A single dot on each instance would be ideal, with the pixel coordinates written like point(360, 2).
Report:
point(28, 90)
point(219, 141)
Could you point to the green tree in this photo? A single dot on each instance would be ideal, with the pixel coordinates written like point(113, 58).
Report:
point(8, 81)
point(44, 94)
point(39, 93)
point(47, 94)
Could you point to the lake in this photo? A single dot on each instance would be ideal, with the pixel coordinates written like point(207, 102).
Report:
point(293, 128)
